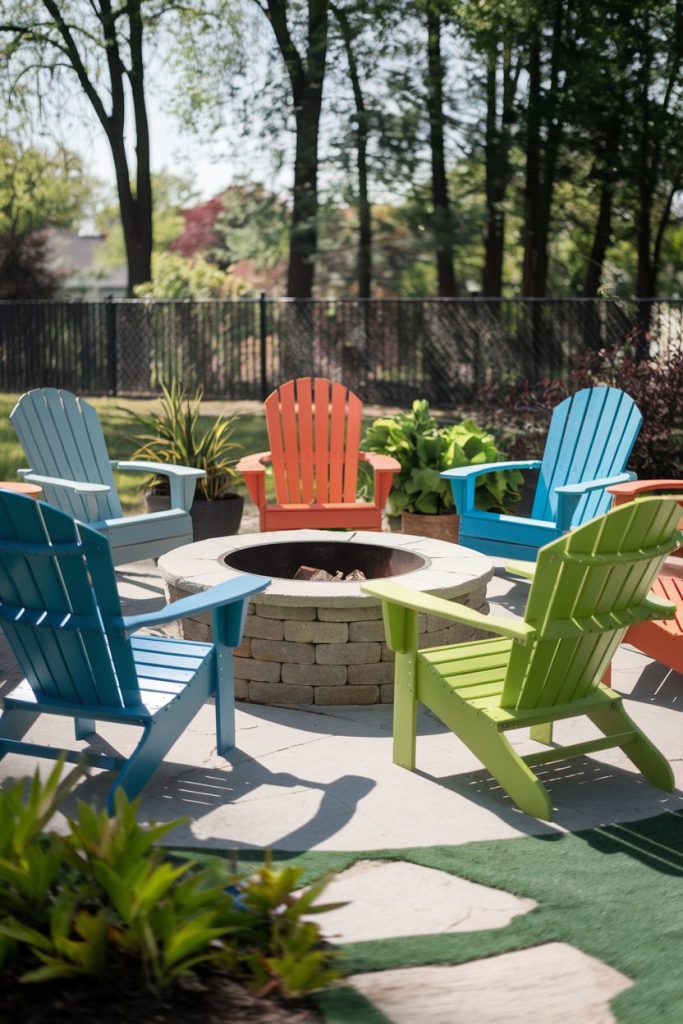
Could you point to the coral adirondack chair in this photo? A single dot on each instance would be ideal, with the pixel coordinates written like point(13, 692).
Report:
point(314, 429)
point(663, 639)
point(589, 586)
point(590, 439)
point(60, 612)
point(62, 439)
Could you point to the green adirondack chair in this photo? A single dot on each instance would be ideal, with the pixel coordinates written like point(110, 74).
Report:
point(60, 611)
point(63, 442)
point(588, 587)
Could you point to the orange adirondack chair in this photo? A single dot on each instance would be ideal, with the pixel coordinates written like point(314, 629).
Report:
point(662, 641)
point(314, 429)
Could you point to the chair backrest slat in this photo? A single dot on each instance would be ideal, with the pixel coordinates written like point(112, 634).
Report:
point(86, 665)
point(578, 577)
point(321, 391)
point(62, 437)
point(314, 428)
point(591, 436)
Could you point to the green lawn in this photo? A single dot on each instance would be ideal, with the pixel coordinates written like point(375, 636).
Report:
point(119, 431)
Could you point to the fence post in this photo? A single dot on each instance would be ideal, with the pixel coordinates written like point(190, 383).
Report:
point(110, 323)
point(263, 346)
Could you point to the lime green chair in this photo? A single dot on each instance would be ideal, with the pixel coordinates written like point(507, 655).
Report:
point(588, 588)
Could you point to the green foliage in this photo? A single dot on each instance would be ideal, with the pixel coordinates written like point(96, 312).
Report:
point(252, 225)
point(104, 896)
point(175, 436)
point(177, 277)
point(424, 449)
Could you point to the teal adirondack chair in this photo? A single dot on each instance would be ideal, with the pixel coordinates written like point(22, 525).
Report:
point(64, 445)
point(587, 589)
point(60, 611)
point(589, 442)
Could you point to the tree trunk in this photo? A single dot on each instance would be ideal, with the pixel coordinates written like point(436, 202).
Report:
point(544, 109)
point(601, 240)
point(136, 210)
point(362, 130)
point(306, 79)
point(304, 230)
point(443, 220)
point(532, 184)
point(497, 169)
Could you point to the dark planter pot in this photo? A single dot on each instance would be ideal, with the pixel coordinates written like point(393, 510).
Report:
point(157, 502)
point(445, 527)
point(219, 518)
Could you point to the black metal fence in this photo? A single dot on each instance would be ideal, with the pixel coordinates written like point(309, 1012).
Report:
point(387, 350)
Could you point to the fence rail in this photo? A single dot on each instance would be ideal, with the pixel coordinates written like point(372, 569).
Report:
point(387, 350)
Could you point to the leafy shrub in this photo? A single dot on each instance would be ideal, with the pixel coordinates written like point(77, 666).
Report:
point(103, 896)
point(174, 436)
point(424, 449)
point(523, 409)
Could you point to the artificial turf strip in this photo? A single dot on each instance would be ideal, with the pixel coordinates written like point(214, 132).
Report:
point(614, 892)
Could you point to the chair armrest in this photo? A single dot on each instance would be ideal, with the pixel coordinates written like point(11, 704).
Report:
point(77, 486)
point(252, 468)
point(236, 589)
point(569, 495)
point(182, 479)
point(404, 597)
point(527, 570)
point(628, 491)
point(384, 469)
point(463, 479)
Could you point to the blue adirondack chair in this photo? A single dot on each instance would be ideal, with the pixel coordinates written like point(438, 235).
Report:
point(60, 611)
point(62, 439)
point(589, 442)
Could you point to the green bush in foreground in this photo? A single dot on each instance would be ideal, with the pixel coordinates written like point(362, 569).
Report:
point(103, 896)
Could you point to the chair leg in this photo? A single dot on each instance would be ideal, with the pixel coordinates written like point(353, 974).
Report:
point(14, 724)
point(225, 700)
point(84, 727)
point(405, 711)
point(158, 737)
point(542, 733)
point(496, 753)
point(640, 750)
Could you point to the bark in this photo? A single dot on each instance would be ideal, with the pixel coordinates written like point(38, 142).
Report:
point(497, 167)
point(362, 129)
point(601, 240)
point(306, 77)
point(443, 219)
point(545, 129)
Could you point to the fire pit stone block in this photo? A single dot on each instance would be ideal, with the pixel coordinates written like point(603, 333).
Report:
point(323, 643)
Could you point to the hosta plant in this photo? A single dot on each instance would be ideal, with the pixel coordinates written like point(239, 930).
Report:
point(176, 436)
point(102, 898)
point(424, 449)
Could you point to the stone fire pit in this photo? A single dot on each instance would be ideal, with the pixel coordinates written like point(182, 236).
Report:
point(323, 642)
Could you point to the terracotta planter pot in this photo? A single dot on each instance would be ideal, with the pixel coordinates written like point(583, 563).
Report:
point(445, 527)
point(220, 518)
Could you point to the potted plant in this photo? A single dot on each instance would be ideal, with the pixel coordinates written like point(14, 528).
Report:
point(424, 449)
point(175, 436)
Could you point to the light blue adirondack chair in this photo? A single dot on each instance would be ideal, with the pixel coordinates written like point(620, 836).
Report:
point(63, 442)
point(60, 611)
point(589, 442)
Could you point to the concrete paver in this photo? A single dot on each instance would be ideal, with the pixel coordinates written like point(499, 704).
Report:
point(554, 983)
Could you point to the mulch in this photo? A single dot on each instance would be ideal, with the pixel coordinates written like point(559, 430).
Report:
point(209, 999)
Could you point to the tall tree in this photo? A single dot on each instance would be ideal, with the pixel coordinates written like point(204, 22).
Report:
point(548, 85)
point(349, 33)
point(101, 44)
point(442, 213)
point(305, 64)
